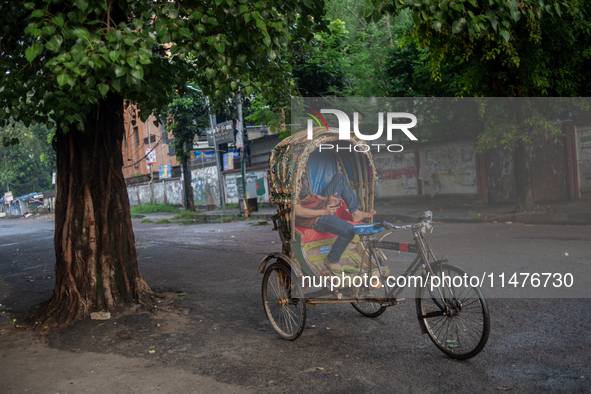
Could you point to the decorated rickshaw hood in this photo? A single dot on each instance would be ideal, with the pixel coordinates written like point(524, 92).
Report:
point(289, 158)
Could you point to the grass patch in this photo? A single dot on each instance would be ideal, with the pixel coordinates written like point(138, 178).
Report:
point(163, 221)
point(228, 206)
point(186, 215)
point(149, 208)
point(225, 219)
point(146, 220)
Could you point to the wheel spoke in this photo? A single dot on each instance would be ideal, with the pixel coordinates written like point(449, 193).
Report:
point(463, 331)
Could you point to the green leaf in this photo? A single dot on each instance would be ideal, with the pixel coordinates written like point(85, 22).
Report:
point(82, 4)
point(55, 43)
point(138, 72)
point(220, 47)
point(103, 88)
point(37, 14)
point(49, 30)
point(494, 24)
point(505, 34)
point(114, 55)
point(161, 28)
point(58, 20)
point(248, 89)
point(458, 25)
point(267, 41)
point(119, 71)
point(33, 51)
point(210, 73)
point(62, 79)
point(474, 3)
point(81, 33)
point(132, 61)
point(116, 84)
point(29, 6)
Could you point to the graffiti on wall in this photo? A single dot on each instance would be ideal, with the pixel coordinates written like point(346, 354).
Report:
point(449, 169)
point(205, 185)
point(256, 186)
point(396, 175)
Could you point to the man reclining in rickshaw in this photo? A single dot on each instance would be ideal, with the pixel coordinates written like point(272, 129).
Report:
point(318, 212)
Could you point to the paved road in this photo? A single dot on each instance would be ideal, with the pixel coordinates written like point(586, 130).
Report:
point(535, 344)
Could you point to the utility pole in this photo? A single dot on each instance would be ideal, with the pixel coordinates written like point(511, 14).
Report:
point(242, 150)
point(151, 173)
point(217, 157)
point(6, 172)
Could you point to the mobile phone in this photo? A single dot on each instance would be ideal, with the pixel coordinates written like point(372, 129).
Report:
point(338, 205)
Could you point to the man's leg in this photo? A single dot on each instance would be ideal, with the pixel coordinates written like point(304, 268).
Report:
point(345, 231)
point(339, 185)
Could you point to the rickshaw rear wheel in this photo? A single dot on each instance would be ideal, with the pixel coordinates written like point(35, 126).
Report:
point(369, 309)
point(283, 299)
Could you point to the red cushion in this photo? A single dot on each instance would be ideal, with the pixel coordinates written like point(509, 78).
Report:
point(311, 235)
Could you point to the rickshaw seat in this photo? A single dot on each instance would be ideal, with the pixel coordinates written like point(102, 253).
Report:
point(311, 235)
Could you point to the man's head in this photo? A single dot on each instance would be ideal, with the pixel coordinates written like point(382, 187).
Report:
point(305, 185)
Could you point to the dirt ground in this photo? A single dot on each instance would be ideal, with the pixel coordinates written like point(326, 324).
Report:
point(109, 359)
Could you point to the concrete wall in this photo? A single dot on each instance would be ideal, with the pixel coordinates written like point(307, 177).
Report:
point(396, 175)
point(449, 169)
point(164, 191)
point(445, 169)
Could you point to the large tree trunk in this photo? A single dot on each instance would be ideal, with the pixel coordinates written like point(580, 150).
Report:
point(96, 259)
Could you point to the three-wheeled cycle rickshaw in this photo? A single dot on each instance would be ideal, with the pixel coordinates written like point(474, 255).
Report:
point(453, 313)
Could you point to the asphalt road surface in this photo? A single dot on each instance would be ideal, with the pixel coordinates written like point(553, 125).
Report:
point(219, 334)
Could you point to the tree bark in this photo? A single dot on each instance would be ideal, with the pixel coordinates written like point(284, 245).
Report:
point(96, 259)
point(523, 160)
point(524, 176)
point(190, 202)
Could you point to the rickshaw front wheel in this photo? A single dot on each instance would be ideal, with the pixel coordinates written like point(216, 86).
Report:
point(284, 301)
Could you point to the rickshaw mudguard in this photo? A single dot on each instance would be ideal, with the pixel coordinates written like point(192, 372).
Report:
point(280, 256)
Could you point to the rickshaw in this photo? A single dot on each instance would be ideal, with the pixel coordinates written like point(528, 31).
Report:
point(456, 318)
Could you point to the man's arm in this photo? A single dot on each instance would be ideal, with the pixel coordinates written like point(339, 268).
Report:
point(313, 213)
point(321, 198)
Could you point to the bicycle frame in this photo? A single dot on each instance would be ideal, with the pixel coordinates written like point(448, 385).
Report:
point(425, 259)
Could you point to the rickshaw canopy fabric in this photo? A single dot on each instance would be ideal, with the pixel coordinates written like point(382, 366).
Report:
point(296, 154)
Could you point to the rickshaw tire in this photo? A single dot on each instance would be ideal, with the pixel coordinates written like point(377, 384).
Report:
point(377, 313)
point(280, 266)
point(427, 327)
